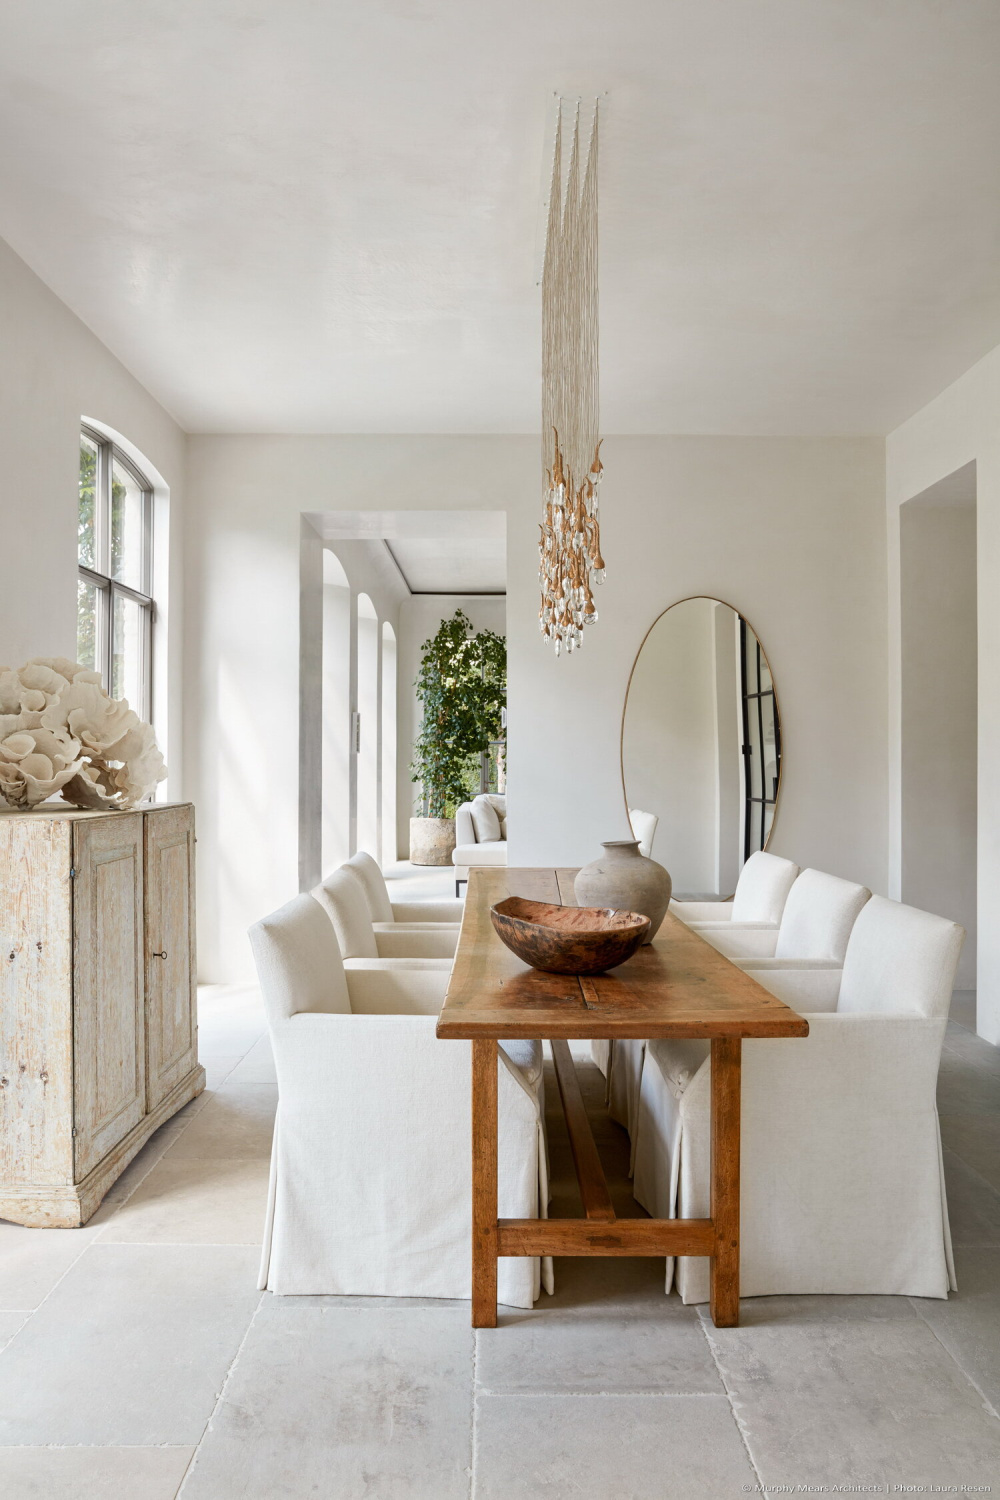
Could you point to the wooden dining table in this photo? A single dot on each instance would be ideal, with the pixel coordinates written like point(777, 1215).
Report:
point(679, 986)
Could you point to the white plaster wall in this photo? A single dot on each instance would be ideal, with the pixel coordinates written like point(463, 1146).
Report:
point(791, 532)
point(959, 427)
point(419, 617)
point(939, 710)
point(53, 371)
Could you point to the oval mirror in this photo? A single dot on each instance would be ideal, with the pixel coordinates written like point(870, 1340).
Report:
point(701, 746)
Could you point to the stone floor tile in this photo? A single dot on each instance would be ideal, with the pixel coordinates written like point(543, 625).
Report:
point(961, 1042)
point(838, 1390)
point(216, 1043)
point(132, 1347)
point(964, 1089)
point(968, 1323)
point(963, 1009)
point(976, 1139)
point(33, 1260)
point(973, 1204)
point(138, 1169)
point(237, 1121)
point(622, 1345)
point(10, 1322)
point(92, 1473)
point(218, 1070)
point(329, 1400)
point(608, 1448)
point(195, 1201)
point(257, 1066)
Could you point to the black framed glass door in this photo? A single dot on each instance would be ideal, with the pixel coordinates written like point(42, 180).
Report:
point(761, 743)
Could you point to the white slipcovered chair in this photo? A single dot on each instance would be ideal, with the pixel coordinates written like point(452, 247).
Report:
point(383, 910)
point(480, 835)
point(842, 1189)
point(342, 896)
point(644, 829)
point(816, 923)
point(761, 892)
point(370, 1191)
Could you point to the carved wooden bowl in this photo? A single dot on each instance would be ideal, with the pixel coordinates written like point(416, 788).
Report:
point(568, 939)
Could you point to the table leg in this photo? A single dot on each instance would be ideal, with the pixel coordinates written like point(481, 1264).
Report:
point(484, 1184)
point(725, 1272)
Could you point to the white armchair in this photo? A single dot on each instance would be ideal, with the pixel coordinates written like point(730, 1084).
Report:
point(761, 893)
point(816, 924)
point(383, 910)
point(644, 829)
point(842, 1184)
point(480, 835)
point(342, 896)
point(370, 1190)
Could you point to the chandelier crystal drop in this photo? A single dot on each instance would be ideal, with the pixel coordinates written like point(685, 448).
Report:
point(570, 546)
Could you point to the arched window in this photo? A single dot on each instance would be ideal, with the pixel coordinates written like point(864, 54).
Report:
point(114, 586)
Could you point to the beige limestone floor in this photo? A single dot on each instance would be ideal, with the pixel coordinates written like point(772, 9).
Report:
point(141, 1363)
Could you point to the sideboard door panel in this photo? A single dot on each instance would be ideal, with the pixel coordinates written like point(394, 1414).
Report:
point(36, 1002)
point(171, 1034)
point(109, 1063)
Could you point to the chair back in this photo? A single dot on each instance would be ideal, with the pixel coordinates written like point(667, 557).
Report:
point(762, 888)
point(819, 914)
point(644, 829)
point(373, 882)
point(298, 962)
point(900, 962)
point(499, 801)
point(342, 897)
point(465, 829)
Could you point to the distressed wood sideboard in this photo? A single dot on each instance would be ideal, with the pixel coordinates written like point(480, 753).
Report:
point(98, 1028)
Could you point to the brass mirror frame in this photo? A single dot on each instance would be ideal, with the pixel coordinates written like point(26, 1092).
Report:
point(713, 599)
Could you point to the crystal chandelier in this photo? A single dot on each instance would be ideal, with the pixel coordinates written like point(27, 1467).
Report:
point(570, 547)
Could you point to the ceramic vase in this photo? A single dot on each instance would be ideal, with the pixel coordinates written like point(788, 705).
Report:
point(626, 879)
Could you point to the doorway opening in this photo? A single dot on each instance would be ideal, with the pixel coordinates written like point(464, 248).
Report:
point(374, 587)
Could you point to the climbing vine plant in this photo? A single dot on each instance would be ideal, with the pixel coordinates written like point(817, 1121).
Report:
point(462, 688)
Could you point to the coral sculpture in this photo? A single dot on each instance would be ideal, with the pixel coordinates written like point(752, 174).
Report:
point(61, 732)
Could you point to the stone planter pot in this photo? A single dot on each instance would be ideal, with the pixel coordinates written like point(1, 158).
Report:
point(431, 841)
point(626, 879)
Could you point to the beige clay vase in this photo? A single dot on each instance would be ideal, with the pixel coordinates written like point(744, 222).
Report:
point(625, 879)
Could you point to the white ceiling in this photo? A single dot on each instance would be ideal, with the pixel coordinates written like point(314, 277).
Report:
point(458, 565)
point(325, 216)
point(436, 551)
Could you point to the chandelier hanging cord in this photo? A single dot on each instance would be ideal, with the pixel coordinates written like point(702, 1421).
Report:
point(570, 561)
